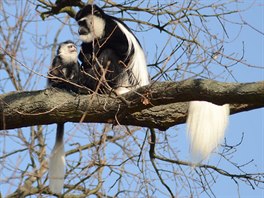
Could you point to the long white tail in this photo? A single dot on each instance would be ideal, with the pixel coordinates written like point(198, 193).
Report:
point(206, 125)
point(57, 163)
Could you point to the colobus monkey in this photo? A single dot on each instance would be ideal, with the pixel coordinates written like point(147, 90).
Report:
point(64, 71)
point(63, 74)
point(111, 56)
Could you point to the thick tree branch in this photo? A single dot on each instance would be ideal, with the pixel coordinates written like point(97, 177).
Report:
point(159, 105)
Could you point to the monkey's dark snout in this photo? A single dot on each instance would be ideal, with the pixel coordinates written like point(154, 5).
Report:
point(83, 31)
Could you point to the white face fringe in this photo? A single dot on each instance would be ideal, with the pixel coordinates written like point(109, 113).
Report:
point(67, 54)
point(96, 27)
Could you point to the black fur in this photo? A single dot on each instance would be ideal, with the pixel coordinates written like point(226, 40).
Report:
point(104, 55)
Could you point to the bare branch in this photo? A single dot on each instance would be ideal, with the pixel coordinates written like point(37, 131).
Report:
point(58, 7)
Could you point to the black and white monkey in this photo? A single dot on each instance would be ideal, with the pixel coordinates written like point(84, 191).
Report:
point(109, 44)
point(64, 71)
point(63, 74)
point(111, 56)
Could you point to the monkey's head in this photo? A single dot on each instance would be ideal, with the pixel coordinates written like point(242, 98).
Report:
point(91, 21)
point(68, 52)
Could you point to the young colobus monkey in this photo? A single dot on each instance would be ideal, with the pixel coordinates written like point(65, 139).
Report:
point(64, 71)
point(63, 74)
point(111, 56)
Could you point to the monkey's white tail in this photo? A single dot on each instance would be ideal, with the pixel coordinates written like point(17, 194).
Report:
point(57, 164)
point(206, 125)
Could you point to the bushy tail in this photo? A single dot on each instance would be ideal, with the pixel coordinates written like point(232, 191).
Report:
point(57, 162)
point(206, 124)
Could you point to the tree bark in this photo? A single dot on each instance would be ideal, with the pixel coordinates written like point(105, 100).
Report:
point(159, 105)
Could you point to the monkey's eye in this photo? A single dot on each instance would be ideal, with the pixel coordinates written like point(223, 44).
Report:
point(97, 13)
point(81, 23)
point(71, 48)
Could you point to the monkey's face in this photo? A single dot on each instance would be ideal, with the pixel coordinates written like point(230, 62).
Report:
point(68, 52)
point(91, 23)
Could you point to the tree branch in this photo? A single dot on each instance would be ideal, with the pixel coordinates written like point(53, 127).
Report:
point(61, 6)
point(159, 105)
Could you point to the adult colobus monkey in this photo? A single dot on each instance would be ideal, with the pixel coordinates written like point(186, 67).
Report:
point(63, 74)
point(111, 56)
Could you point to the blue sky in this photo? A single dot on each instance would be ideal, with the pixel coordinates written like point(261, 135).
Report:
point(251, 124)
point(248, 123)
